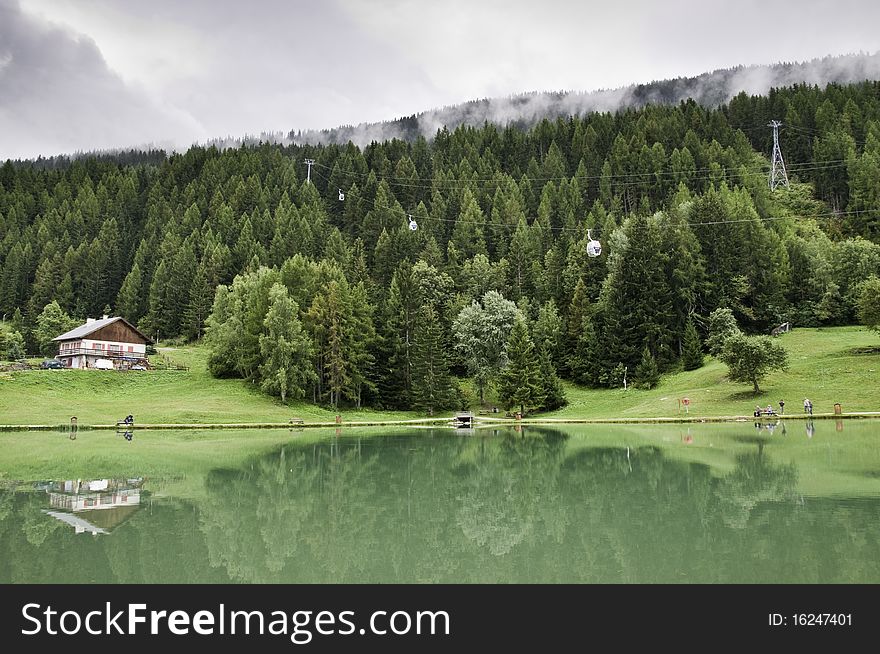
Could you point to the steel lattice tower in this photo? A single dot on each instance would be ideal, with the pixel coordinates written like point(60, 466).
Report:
point(778, 176)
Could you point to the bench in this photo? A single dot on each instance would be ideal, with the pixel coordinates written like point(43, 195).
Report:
point(765, 412)
point(296, 421)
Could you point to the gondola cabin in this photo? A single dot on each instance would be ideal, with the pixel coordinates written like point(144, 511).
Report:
point(594, 247)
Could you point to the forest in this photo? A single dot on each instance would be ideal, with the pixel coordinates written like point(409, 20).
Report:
point(382, 276)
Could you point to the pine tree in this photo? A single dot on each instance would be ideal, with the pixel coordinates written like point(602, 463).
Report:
point(637, 295)
point(432, 386)
point(554, 393)
point(467, 235)
point(647, 374)
point(400, 311)
point(326, 323)
point(199, 306)
point(520, 382)
point(692, 348)
point(361, 338)
point(43, 289)
point(579, 312)
point(547, 331)
point(128, 301)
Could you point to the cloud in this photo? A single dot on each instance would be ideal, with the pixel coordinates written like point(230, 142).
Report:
point(58, 95)
point(709, 89)
point(84, 75)
point(238, 68)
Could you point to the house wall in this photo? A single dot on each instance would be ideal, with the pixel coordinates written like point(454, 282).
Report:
point(118, 332)
point(115, 346)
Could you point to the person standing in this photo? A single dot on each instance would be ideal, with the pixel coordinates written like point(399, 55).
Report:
point(781, 407)
point(806, 405)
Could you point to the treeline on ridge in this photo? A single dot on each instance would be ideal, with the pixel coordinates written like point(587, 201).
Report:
point(237, 246)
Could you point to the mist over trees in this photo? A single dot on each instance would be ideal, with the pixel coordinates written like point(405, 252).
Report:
point(236, 247)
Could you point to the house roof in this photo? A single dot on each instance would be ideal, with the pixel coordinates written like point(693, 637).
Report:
point(91, 327)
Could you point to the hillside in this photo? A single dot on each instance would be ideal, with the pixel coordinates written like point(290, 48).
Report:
point(372, 277)
point(825, 366)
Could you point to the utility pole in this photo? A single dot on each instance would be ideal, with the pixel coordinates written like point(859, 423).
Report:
point(778, 176)
point(309, 162)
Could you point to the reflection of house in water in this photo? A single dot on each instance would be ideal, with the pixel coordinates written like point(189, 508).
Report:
point(97, 506)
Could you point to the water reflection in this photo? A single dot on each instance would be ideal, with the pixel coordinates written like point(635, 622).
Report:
point(529, 506)
point(97, 506)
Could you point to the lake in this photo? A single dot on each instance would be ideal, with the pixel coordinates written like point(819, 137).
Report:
point(707, 503)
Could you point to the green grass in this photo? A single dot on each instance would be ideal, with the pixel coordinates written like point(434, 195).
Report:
point(822, 367)
point(51, 397)
point(827, 365)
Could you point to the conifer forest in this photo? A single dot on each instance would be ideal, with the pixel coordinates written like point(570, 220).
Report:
point(392, 276)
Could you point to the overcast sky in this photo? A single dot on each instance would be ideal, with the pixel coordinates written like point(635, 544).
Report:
point(94, 74)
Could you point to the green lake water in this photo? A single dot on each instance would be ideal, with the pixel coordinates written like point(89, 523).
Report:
point(734, 503)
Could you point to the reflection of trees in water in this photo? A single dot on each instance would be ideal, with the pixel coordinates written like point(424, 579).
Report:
point(754, 480)
point(437, 507)
point(511, 490)
point(442, 508)
point(161, 545)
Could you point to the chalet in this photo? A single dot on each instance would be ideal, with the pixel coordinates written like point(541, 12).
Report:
point(104, 343)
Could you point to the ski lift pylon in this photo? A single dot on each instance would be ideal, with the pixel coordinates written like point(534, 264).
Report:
point(594, 247)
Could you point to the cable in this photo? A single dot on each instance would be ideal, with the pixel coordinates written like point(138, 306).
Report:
point(460, 183)
point(530, 221)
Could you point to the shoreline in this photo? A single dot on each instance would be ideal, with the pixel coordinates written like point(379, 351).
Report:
point(444, 422)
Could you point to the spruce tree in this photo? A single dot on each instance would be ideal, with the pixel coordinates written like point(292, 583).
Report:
point(432, 385)
point(647, 374)
point(43, 289)
point(199, 306)
point(520, 382)
point(128, 301)
point(554, 393)
point(579, 311)
point(692, 348)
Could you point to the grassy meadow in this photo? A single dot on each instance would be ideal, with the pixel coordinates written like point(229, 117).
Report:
point(826, 365)
point(830, 365)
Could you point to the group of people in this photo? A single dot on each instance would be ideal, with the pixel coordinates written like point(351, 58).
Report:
point(769, 411)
